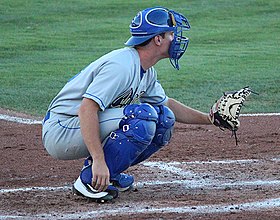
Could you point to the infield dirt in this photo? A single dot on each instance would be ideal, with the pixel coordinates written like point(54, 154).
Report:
point(25, 163)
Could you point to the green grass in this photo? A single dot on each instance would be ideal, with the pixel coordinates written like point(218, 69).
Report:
point(232, 44)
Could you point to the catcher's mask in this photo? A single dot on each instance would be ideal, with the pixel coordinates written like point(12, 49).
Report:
point(154, 21)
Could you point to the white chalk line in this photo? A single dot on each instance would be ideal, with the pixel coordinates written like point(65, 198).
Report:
point(200, 209)
point(189, 184)
point(273, 203)
point(259, 114)
point(19, 120)
point(199, 182)
point(28, 189)
point(225, 161)
point(31, 121)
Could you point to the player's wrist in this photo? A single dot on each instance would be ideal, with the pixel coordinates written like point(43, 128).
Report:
point(98, 156)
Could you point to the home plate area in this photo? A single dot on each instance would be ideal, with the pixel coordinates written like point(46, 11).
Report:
point(166, 189)
point(201, 174)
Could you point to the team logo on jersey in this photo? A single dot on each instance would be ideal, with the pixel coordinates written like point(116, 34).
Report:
point(126, 98)
point(123, 99)
point(137, 97)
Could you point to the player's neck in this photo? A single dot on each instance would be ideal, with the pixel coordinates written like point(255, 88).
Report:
point(147, 58)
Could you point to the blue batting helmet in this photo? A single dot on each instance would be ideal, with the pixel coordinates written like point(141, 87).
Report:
point(154, 21)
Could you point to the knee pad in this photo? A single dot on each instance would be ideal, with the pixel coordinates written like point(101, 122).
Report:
point(165, 125)
point(139, 123)
point(142, 111)
point(136, 132)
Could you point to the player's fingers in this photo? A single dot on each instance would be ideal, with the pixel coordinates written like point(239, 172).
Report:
point(93, 182)
point(104, 184)
point(101, 184)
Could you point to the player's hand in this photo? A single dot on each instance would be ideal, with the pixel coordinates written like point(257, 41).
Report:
point(100, 175)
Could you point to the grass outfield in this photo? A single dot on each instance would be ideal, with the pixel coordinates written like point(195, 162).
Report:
point(232, 44)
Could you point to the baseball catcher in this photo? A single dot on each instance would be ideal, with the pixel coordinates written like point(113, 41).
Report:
point(115, 113)
point(225, 112)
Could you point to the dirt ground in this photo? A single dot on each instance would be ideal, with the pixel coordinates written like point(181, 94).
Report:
point(201, 174)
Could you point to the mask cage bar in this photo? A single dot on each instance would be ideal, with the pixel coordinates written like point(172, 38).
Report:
point(180, 42)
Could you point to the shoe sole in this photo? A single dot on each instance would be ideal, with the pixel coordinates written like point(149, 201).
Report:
point(116, 183)
point(81, 189)
point(124, 188)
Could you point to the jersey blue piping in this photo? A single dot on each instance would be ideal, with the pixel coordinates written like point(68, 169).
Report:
point(96, 98)
point(163, 100)
point(160, 101)
point(59, 122)
point(111, 119)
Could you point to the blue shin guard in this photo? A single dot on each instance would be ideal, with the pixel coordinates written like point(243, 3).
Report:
point(121, 147)
point(163, 134)
point(165, 125)
point(136, 132)
point(143, 131)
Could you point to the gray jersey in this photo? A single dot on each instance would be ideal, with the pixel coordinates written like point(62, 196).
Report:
point(114, 80)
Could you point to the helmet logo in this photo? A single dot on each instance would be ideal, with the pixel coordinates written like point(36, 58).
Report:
point(136, 21)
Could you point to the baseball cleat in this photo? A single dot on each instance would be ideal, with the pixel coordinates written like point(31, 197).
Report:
point(123, 182)
point(86, 190)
